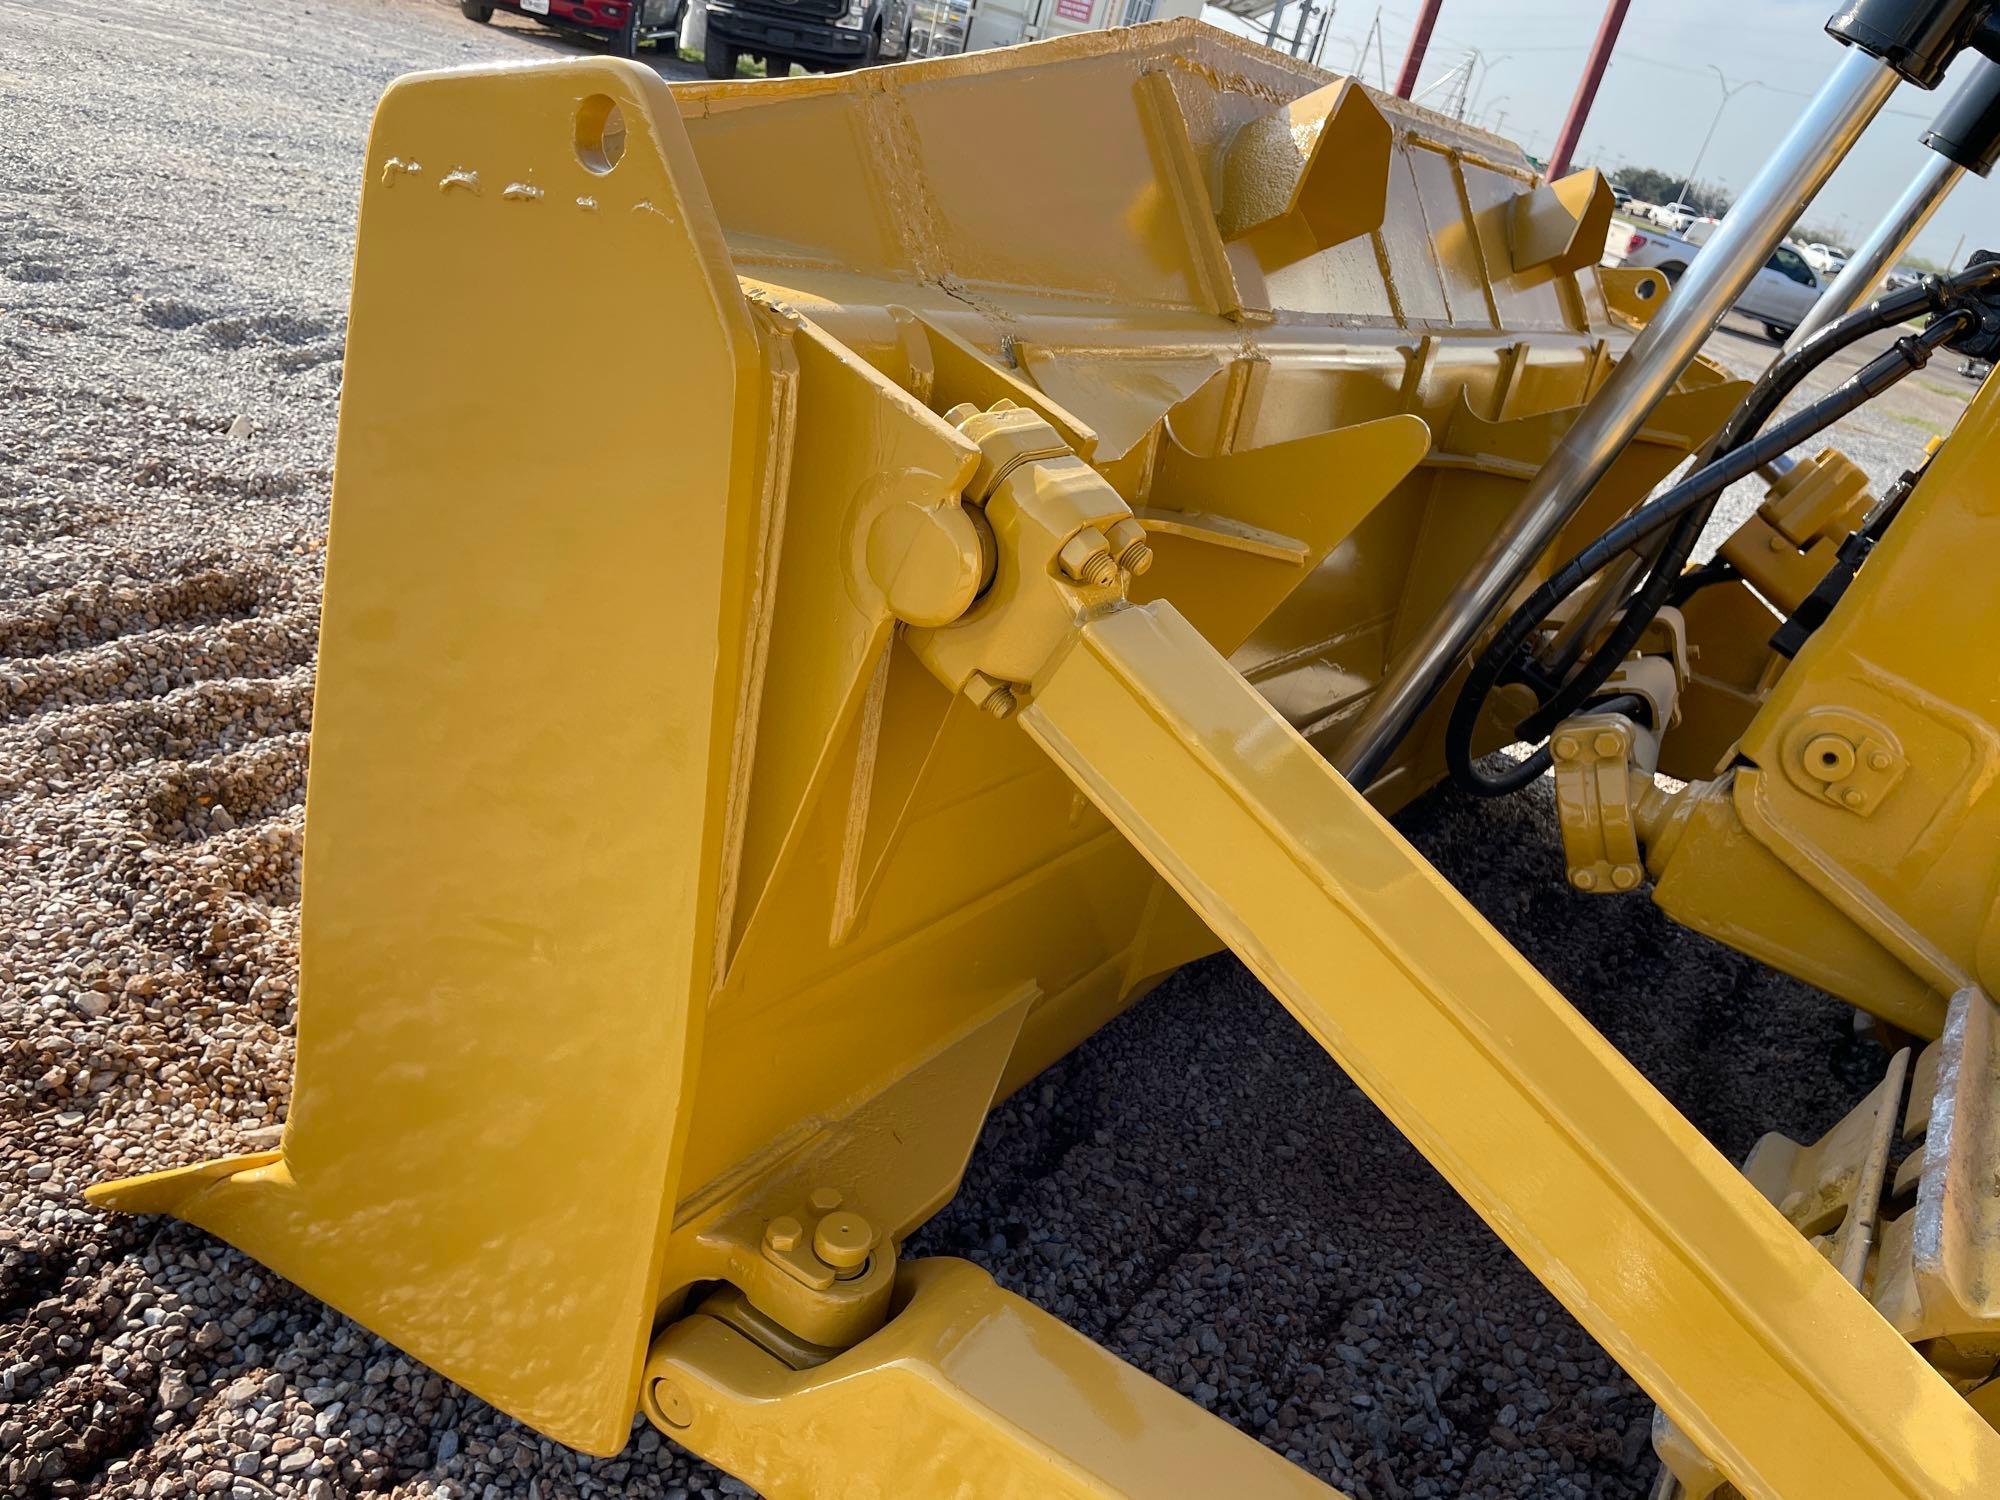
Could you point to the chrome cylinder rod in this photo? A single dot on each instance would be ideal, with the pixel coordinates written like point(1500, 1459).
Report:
point(1886, 244)
point(1815, 145)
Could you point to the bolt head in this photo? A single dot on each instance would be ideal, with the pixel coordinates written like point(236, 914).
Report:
point(1608, 743)
point(1584, 880)
point(825, 1200)
point(1624, 877)
point(1852, 797)
point(784, 1233)
point(1879, 760)
point(1565, 748)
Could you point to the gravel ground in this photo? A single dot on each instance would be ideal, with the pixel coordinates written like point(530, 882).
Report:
point(1198, 1187)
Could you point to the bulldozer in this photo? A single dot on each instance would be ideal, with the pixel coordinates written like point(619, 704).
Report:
point(1039, 513)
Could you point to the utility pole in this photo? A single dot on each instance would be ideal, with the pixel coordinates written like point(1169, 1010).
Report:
point(1318, 48)
point(1486, 67)
point(1452, 76)
point(1373, 39)
point(1465, 90)
point(1420, 41)
point(1586, 86)
point(1727, 94)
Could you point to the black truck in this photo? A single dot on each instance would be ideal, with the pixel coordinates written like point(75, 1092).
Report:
point(824, 36)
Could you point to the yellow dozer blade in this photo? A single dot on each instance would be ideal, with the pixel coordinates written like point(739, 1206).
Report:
point(837, 587)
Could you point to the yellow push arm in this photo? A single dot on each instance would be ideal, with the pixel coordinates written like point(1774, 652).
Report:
point(1721, 1310)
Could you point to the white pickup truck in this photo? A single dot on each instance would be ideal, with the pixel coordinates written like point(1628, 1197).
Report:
point(1779, 296)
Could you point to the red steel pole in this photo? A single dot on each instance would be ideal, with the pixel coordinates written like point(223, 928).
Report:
point(1586, 87)
point(1413, 60)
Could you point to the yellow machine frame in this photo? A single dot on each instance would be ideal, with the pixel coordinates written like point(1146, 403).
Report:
point(1002, 479)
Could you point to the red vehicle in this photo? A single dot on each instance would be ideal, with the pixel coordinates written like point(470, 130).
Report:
point(623, 23)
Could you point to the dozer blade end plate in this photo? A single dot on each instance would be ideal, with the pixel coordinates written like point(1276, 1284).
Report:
point(521, 743)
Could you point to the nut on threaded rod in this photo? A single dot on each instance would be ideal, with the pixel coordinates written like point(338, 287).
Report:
point(1135, 554)
point(996, 697)
point(1087, 558)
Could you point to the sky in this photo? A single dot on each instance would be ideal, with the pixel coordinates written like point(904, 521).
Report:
point(1659, 96)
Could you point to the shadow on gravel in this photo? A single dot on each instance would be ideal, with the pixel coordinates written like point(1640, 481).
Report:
point(1202, 1189)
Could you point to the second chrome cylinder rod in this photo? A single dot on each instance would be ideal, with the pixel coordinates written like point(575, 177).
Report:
point(1815, 145)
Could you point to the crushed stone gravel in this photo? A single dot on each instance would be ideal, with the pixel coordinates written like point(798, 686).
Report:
point(1198, 1187)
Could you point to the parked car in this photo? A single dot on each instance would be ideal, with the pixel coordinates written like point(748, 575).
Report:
point(1828, 260)
point(1620, 196)
point(1779, 296)
point(1674, 216)
point(626, 24)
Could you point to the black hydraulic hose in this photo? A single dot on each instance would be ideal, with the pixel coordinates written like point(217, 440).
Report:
point(1909, 353)
point(1663, 581)
point(1930, 294)
point(1695, 580)
point(1933, 294)
point(1679, 506)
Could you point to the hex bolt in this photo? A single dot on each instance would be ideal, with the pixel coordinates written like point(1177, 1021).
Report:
point(1584, 880)
point(1565, 748)
point(1852, 797)
point(1608, 743)
point(783, 1233)
point(825, 1200)
point(1879, 760)
point(1624, 877)
point(1087, 558)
